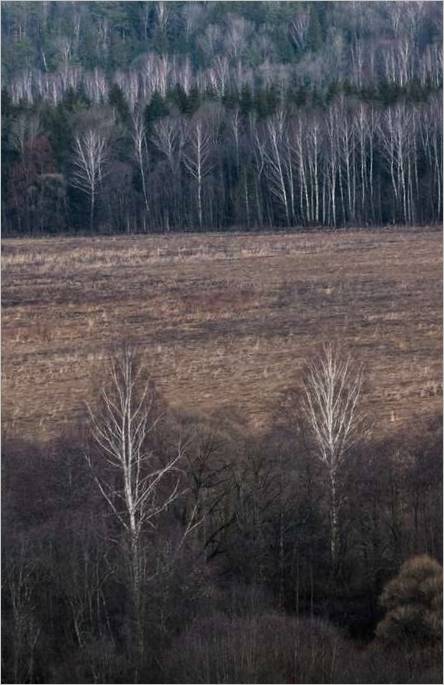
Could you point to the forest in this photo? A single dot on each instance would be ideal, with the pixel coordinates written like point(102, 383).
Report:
point(173, 116)
point(156, 546)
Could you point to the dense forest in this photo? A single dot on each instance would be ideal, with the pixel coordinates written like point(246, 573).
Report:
point(163, 116)
point(155, 546)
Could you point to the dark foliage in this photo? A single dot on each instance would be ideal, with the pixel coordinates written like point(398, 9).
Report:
point(251, 596)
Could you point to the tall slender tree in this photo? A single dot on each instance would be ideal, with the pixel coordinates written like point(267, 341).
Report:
point(331, 404)
point(145, 486)
point(90, 159)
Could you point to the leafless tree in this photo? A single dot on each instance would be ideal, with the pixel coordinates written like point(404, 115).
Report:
point(333, 157)
point(235, 129)
point(298, 29)
point(104, 36)
point(91, 154)
point(332, 391)
point(19, 582)
point(121, 429)
point(96, 85)
point(430, 141)
point(218, 74)
point(192, 14)
point(168, 138)
point(237, 34)
point(276, 168)
point(155, 74)
point(210, 473)
point(162, 14)
point(397, 134)
point(211, 40)
point(64, 51)
point(299, 136)
point(347, 153)
point(138, 135)
point(197, 154)
point(25, 130)
point(257, 146)
point(364, 124)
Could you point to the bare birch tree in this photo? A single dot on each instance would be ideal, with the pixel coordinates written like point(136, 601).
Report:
point(275, 149)
point(144, 486)
point(91, 155)
point(332, 391)
point(299, 136)
point(333, 163)
point(397, 134)
point(138, 136)
point(197, 155)
point(168, 139)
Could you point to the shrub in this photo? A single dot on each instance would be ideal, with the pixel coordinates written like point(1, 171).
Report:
point(263, 649)
point(413, 602)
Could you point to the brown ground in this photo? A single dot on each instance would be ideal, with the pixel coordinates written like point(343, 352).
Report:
point(226, 321)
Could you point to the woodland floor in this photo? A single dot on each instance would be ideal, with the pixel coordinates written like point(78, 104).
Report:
point(225, 321)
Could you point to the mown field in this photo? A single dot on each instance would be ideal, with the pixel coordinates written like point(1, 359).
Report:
point(225, 322)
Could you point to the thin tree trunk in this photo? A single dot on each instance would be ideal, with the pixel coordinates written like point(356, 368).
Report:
point(333, 521)
point(91, 212)
point(199, 199)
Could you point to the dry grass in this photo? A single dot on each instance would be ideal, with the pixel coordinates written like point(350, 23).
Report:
point(225, 321)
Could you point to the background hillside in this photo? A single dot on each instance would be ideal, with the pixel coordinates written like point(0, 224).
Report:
point(147, 116)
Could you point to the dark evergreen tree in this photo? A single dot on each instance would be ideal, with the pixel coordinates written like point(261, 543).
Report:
point(118, 101)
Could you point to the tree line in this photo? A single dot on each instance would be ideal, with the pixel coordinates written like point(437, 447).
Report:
point(154, 116)
point(183, 163)
point(154, 546)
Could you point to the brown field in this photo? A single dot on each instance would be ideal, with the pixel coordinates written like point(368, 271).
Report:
point(226, 322)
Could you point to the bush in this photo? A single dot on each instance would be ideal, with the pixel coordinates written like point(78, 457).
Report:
point(413, 601)
point(265, 649)
point(382, 664)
